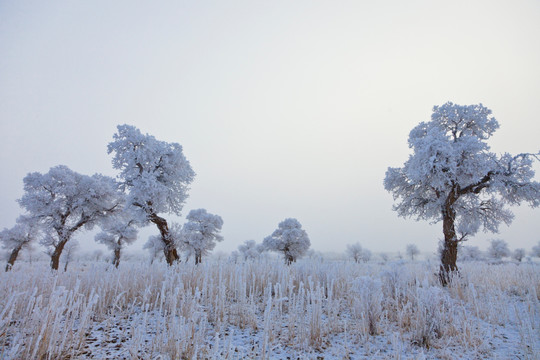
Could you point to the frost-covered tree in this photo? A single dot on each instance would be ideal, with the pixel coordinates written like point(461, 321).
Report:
point(235, 256)
point(470, 253)
point(97, 254)
point(155, 175)
point(201, 233)
point(498, 249)
point(69, 252)
point(154, 245)
point(289, 239)
point(366, 255)
point(354, 251)
point(412, 251)
point(250, 250)
point(63, 202)
point(117, 232)
point(19, 237)
point(518, 254)
point(535, 251)
point(452, 177)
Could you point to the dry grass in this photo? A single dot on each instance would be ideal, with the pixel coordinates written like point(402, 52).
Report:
point(264, 309)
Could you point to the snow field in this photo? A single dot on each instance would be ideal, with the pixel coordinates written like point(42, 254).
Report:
point(265, 309)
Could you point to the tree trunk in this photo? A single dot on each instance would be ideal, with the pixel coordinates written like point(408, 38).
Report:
point(450, 247)
point(55, 257)
point(198, 257)
point(171, 255)
point(116, 259)
point(13, 257)
point(289, 259)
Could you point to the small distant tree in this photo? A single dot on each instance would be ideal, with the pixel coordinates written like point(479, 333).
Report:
point(412, 251)
point(498, 249)
point(69, 252)
point(234, 256)
point(154, 245)
point(250, 250)
point(117, 232)
point(366, 255)
point(518, 254)
point(97, 255)
point(452, 177)
point(354, 251)
point(201, 233)
point(384, 257)
point(19, 237)
point(535, 251)
point(289, 239)
point(155, 176)
point(470, 253)
point(64, 202)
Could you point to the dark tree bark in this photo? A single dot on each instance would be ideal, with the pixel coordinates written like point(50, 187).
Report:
point(450, 246)
point(171, 255)
point(116, 259)
point(13, 257)
point(198, 257)
point(55, 256)
point(289, 259)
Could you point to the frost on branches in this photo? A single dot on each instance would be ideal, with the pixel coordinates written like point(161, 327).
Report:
point(155, 175)
point(250, 250)
point(452, 176)
point(117, 232)
point(289, 239)
point(64, 202)
point(498, 249)
point(19, 237)
point(200, 233)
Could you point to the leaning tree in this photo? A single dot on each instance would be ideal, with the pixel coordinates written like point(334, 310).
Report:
point(452, 176)
point(19, 237)
point(155, 176)
point(64, 202)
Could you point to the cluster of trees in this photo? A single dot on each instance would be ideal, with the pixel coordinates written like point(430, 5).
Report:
point(497, 250)
point(153, 179)
point(451, 176)
point(289, 240)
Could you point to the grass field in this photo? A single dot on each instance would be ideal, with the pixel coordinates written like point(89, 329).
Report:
point(310, 310)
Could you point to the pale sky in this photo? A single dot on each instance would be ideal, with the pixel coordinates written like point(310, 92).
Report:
point(284, 108)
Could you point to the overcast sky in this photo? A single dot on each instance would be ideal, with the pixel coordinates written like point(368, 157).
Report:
point(284, 108)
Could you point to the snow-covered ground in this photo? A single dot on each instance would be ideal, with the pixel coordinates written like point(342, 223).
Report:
point(309, 310)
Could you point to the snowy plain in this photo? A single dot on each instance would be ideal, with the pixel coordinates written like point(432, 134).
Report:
point(313, 309)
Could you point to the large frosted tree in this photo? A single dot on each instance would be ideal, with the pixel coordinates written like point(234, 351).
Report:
point(451, 176)
point(64, 202)
point(289, 239)
point(155, 176)
point(201, 233)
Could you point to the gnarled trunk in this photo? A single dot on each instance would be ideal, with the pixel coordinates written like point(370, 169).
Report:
point(171, 255)
point(13, 257)
point(450, 246)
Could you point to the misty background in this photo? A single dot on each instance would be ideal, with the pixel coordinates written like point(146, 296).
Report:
point(284, 109)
